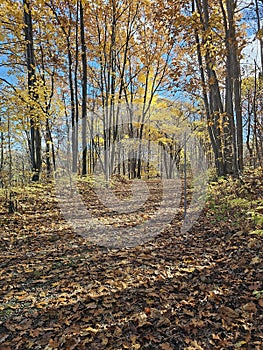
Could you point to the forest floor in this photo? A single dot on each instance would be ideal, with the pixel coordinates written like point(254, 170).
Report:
point(198, 290)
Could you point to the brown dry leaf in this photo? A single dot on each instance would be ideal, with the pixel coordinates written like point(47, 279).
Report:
point(216, 337)
point(92, 330)
point(11, 327)
point(105, 341)
point(187, 269)
point(117, 331)
point(255, 260)
point(34, 333)
point(194, 346)
point(147, 310)
point(41, 305)
point(197, 323)
point(255, 285)
point(71, 344)
point(226, 312)
point(161, 290)
point(53, 344)
point(250, 307)
point(188, 312)
point(25, 325)
point(166, 346)
point(155, 295)
point(164, 322)
point(91, 306)
point(152, 338)
point(133, 339)
point(23, 296)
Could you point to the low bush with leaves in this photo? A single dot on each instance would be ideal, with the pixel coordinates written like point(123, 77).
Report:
point(238, 203)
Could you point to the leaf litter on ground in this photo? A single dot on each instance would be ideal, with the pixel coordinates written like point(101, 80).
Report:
point(199, 290)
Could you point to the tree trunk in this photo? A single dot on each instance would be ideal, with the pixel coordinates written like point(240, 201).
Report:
point(35, 135)
point(1, 147)
point(84, 91)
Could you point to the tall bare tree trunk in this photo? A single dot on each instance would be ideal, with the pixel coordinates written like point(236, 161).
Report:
point(35, 135)
point(84, 91)
point(224, 120)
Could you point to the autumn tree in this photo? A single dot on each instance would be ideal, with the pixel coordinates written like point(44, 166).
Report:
point(212, 37)
point(100, 67)
point(129, 63)
point(35, 134)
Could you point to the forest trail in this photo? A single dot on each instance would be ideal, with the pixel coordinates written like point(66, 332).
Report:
point(199, 290)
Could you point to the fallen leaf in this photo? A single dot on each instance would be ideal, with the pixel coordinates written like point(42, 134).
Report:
point(92, 330)
point(91, 306)
point(250, 307)
point(226, 312)
point(166, 346)
point(53, 344)
point(240, 344)
point(105, 341)
point(255, 260)
point(147, 310)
